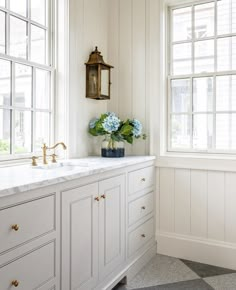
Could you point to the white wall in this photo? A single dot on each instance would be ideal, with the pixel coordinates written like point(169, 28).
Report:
point(196, 207)
point(88, 28)
point(196, 204)
point(131, 40)
point(197, 216)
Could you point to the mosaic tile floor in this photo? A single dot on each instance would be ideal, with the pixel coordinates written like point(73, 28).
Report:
point(167, 273)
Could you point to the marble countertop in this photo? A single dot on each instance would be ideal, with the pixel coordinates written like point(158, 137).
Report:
point(16, 179)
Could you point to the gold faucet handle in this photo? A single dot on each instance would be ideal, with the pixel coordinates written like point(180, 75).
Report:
point(34, 162)
point(54, 158)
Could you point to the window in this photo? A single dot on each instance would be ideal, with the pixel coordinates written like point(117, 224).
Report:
point(26, 74)
point(202, 77)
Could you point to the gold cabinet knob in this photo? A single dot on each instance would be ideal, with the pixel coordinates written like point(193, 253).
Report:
point(96, 198)
point(143, 207)
point(143, 236)
point(143, 179)
point(15, 283)
point(15, 227)
point(103, 196)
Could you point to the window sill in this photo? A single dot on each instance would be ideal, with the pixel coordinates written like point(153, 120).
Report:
point(217, 162)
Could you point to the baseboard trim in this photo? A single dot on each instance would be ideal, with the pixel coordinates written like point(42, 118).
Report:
point(200, 250)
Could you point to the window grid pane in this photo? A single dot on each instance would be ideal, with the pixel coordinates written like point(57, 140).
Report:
point(208, 63)
point(27, 107)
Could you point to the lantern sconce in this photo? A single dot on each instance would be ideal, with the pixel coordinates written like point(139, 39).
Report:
point(98, 77)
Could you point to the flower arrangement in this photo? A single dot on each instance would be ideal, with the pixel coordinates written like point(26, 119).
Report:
point(117, 130)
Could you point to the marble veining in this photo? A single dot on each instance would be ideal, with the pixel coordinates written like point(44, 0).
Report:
point(21, 178)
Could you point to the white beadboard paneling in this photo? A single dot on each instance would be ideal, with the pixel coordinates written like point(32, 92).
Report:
point(157, 199)
point(125, 61)
point(230, 207)
point(128, 35)
point(88, 28)
point(216, 205)
point(139, 66)
point(167, 183)
point(182, 201)
point(113, 52)
point(199, 203)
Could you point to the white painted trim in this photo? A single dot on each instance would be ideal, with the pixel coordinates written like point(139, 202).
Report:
point(198, 163)
point(158, 116)
point(13, 158)
point(62, 72)
point(207, 251)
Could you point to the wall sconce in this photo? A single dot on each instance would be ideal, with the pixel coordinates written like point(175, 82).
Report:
point(98, 77)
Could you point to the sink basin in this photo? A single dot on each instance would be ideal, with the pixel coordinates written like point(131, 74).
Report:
point(75, 163)
point(62, 166)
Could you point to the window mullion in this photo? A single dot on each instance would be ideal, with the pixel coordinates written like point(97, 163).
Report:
point(7, 33)
point(29, 29)
point(33, 124)
point(193, 38)
point(12, 110)
point(214, 114)
point(191, 113)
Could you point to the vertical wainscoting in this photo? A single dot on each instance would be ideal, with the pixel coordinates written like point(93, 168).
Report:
point(88, 28)
point(129, 51)
point(197, 215)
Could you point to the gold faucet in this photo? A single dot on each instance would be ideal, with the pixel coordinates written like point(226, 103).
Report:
point(45, 148)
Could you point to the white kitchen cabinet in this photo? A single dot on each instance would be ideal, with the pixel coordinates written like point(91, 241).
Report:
point(111, 224)
point(80, 237)
point(93, 228)
point(85, 232)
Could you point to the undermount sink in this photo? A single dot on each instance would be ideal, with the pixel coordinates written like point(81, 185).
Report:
point(63, 166)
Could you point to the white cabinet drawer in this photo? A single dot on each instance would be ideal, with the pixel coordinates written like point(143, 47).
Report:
point(21, 223)
point(31, 271)
point(141, 179)
point(140, 208)
point(140, 236)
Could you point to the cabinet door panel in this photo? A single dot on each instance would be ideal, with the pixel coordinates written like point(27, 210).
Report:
point(80, 238)
point(111, 225)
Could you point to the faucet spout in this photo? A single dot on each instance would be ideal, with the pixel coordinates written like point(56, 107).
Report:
point(45, 148)
point(57, 144)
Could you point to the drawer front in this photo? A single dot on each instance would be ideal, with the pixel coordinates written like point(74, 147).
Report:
point(140, 208)
point(31, 271)
point(21, 223)
point(141, 179)
point(140, 236)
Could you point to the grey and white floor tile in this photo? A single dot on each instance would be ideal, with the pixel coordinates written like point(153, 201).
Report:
point(162, 270)
point(222, 282)
point(167, 273)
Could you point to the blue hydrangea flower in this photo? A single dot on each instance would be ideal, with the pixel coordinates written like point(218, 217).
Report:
point(92, 123)
point(110, 114)
point(111, 123)
point(137, 129)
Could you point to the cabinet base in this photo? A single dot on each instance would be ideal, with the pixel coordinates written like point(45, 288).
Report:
point(131, 269)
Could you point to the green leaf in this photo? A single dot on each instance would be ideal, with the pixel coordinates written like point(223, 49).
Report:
point(93, 131)
point(126, 130)
point(129, 139)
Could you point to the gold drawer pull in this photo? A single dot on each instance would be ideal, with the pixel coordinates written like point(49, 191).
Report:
point(143, 179)
point(96, 198)
point(143, 236)
point(103, 196)
point(15, 227)
point(143, 207)
point(15, 283)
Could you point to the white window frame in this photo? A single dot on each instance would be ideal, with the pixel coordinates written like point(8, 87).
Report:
point(170, 7)
point(50, 67)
